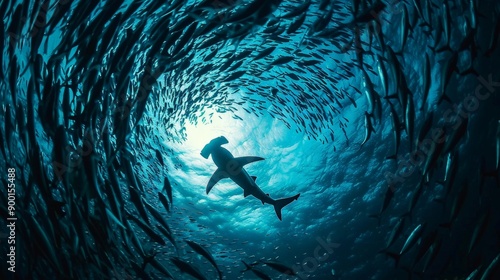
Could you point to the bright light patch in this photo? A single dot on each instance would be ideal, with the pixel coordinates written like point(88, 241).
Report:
point(197, 136)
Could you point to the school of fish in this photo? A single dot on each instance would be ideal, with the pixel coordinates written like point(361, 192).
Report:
point(84, 84)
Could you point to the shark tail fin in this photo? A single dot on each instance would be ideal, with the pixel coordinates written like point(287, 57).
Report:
point(280, 203)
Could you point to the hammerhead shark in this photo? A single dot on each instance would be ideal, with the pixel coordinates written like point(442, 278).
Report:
point(230, 167)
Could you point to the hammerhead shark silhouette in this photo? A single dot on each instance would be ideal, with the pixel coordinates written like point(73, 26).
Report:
point(230, 167)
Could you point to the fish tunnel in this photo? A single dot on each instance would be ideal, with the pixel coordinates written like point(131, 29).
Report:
point(383, 115)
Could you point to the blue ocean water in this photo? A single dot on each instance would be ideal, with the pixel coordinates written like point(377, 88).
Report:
point(383, 115)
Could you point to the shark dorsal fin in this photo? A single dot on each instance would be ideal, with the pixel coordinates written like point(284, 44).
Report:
point(254, 178)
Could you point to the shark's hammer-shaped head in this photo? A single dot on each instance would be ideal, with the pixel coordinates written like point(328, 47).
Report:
point(207, 150)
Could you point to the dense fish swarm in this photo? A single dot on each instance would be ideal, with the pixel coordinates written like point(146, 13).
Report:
point(84, 84)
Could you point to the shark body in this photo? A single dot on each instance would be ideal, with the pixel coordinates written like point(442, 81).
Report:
point(230, 167)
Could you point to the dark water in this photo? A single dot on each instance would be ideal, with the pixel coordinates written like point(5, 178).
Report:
point(384, 116)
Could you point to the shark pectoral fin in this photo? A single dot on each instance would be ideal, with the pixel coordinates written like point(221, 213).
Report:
point(216, 177)
point(254, 178)
point(245, 193)
point(246, 160)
